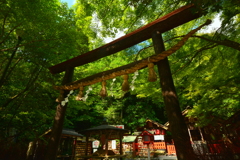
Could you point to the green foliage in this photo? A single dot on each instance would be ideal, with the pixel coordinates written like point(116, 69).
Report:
point(137, 110)
point(209, 83)
point(128, 110)
point(133, 13)
point(197, 67)
point(35, 36)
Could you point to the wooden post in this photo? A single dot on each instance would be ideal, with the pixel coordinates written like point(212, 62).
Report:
point(74, 148)
point(121, 147)
point(200, 131)
point(148, 148)
point(58, 120)
point(106, 144)
point(166, 150)
point(190, 136)
point(86, 148)
point(177, 125)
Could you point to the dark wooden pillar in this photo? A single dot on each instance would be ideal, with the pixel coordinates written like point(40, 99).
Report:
point(177, 125)
point(74, 148)
point(121, 147)
point(86, 147)
point(120, 138)
point(58, 121)
point(106, 145)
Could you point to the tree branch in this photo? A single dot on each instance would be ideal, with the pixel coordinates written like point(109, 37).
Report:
point(200, 50)
point(225, 42)
point(136, 19)
point(32, 79)
point(3, 62)
point(4, 21)
point(12, 68)
point(141, 51)
point(9, 34)
point(24, 44)
point(2, 80)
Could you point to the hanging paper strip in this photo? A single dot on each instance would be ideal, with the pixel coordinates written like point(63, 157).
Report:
point(87, 92)
point(111, 89)
point(133, 80)
point(63, 103)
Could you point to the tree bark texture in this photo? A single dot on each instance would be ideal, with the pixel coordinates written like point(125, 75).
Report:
point(58, 121)
point(177, 125)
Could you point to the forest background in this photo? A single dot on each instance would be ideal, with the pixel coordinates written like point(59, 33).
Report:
point(36, 36)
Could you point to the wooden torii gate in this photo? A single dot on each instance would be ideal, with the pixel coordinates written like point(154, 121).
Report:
point(152, 30)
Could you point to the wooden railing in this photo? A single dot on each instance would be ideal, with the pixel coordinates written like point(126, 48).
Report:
point(159, 145)
point(171, 149)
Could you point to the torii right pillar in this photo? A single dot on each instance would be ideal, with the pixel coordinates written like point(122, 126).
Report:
point(178, 127)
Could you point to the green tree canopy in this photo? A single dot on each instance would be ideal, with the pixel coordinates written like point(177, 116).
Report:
point(35, 36)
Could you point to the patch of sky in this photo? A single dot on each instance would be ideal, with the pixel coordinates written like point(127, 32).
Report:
point(136, 48)
point(131, 51)
point(216, 23)
point(69, 2)
point(139, 51)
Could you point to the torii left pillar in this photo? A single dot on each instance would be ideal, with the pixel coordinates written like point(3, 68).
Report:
point(58, 120)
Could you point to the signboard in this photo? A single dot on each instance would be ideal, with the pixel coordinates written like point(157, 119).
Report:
point(95, 150)
point(158, 137)
point(114, 146)
point(95, 144)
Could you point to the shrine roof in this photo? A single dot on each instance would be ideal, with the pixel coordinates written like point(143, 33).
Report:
point(66, 132)
point(157, 124)
point(146, 133)
point(104, 127)
point(129, 138)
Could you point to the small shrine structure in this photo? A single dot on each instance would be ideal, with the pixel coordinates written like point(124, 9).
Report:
point(105, 132)
point(67, 148)
point(153, 136)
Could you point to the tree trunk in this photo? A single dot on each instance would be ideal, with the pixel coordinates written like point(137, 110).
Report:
point(3, 77)
point(58, 121)
point(177, 125)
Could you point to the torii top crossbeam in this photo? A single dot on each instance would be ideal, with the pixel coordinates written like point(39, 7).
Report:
point(163, 24)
